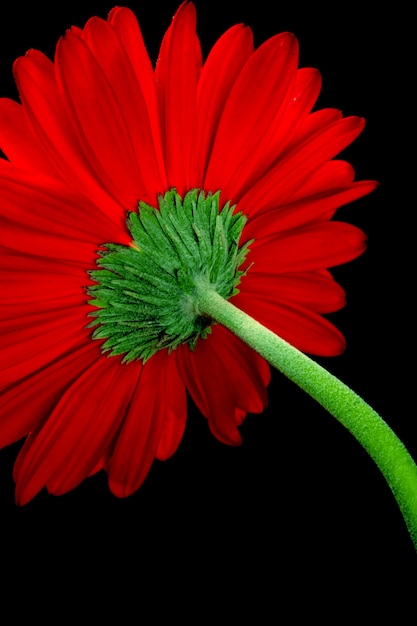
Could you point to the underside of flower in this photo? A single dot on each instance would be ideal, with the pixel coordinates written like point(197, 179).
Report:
point(146, 293)
point(94, 131)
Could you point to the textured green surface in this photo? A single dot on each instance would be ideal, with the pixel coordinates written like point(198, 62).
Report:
point(363, 422)
point(146, 292)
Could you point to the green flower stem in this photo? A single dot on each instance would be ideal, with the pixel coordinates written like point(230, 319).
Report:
point(345, 405)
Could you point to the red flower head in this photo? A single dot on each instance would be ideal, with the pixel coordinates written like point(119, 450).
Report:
point(100, 136)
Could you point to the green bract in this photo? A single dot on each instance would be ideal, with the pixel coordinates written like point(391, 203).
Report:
point(146, 292)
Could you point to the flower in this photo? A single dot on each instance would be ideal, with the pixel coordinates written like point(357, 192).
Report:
point(100, 132)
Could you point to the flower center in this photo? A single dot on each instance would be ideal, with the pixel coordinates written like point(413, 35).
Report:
point(146, 293)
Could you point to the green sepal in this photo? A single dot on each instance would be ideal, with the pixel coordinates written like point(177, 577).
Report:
point(145, 293)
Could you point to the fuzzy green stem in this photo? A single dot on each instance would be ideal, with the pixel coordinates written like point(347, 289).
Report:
point(372, 432)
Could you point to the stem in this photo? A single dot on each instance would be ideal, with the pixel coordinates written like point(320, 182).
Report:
point(345, 405)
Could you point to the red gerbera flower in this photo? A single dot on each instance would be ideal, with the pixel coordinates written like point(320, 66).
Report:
point(98, 134)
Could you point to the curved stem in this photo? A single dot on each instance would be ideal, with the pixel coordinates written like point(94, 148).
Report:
point(345, 405)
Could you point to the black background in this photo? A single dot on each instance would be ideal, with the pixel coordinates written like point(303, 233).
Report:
point(299, 511)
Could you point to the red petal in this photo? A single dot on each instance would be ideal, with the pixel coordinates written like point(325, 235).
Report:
point(43, 217)
point(138, 440)
point(31, 285)
point(223, 64)
point(175, 414)
point(176, 76)
point(18, 141)
point(300, 213)
point(299, 104)
point(27, 348)
point(125, 25)
point(315, 123)
point(79, 431)
point(130, 108)
point(314, 247)
point(299, 163)
point(253, 109)
point(47, 114)
point(317, 291)
point(21, 311)
point(289, 115)
point(332, 175)
point(27, 404)
point(231, 380)
point(98, 120)
point(16, 267)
